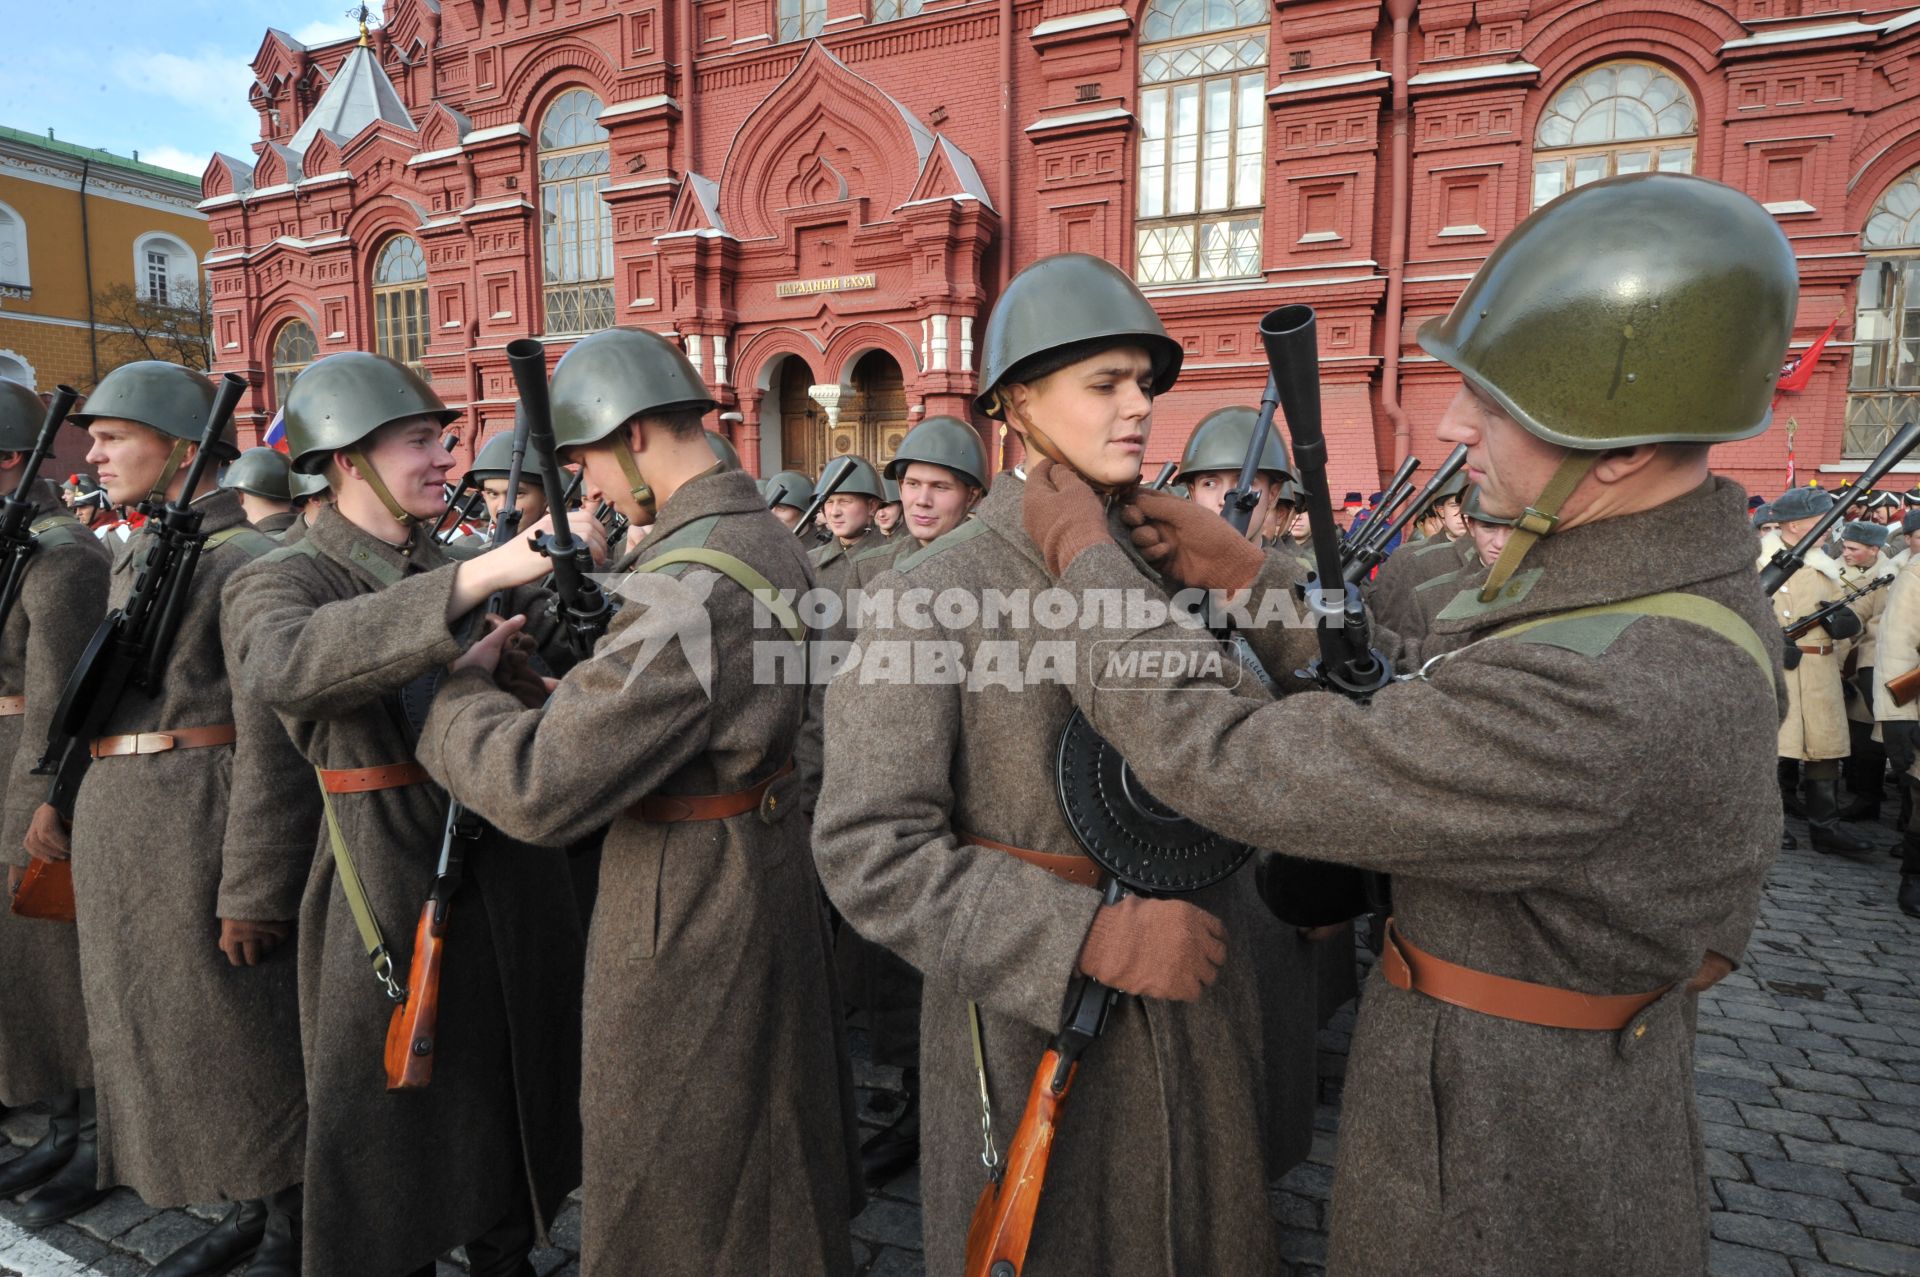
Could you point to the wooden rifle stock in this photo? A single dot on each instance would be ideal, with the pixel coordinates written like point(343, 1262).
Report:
point(46, 891)
point(413, 1033)
point(1002, 1226)
point(1904, 687)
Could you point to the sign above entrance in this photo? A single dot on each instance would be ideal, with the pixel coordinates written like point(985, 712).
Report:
point(831, 284)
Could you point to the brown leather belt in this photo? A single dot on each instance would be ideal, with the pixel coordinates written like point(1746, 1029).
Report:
point(12, 705)
point(360, 780)
point(672, 809)
point(1075, 869)
point(1407, 967)
point(161, 742)
point(1816, 649)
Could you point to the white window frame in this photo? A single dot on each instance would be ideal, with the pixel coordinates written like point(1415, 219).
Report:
point(14, 228)
point(177, 254)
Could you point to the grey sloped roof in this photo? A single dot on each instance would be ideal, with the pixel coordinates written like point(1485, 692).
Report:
point(241, 171)
point(360, 94)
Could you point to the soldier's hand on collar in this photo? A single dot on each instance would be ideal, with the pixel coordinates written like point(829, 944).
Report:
point(1062, 514)
point(1189, 542)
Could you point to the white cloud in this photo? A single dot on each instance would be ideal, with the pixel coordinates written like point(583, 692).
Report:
point(194, 162)
point(325, 29)
point(212, 83)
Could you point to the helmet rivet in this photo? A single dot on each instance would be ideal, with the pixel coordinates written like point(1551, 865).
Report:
point(1630, 377)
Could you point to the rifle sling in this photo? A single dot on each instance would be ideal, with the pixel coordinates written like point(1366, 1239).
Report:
point(358, 903)
point(741, 574)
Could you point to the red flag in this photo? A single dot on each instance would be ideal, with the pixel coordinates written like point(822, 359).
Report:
point(1796, 373)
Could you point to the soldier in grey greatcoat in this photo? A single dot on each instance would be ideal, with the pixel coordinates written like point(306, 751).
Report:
point(344, 634)
point(186, 927)
point(260, 477)
point(1554, 909)
point(955, 854)
point(43, 1022)
point(719, 1102)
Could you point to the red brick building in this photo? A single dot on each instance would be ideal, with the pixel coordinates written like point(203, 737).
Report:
point(822, 198)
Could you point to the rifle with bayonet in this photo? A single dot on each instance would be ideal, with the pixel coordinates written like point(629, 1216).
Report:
point(1365, 532)
point(131, 647)
point(1790, 559)
point(581, 604)
point(1373, 549)
point(17, 542)
point(1827, 611)
point(413, 1033)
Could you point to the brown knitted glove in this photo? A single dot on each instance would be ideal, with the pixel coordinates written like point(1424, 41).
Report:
point(1156, 948)
point(1062, 514)
point(247, 944)
point(1190, 543)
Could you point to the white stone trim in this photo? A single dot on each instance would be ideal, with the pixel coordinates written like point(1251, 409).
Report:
point(1326, 82)
point(429, 157)
point(1823, 32)
point(1074, 22)
point(636, 106)
point(1085, 117)
point(1790, 206)
point(494, 133)
point(1460, 75)
point(494, 206)
point(339, 175)
point(26, 246)
point(33, 375)
point(174, 247)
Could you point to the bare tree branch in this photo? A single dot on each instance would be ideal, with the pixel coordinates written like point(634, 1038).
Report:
point(178, 330)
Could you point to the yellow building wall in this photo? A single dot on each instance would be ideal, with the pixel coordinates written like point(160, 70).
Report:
point(58, 273)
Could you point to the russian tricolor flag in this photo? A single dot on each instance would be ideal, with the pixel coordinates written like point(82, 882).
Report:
point(276, 435)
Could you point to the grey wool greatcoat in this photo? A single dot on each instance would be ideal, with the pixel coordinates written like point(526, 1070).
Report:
point(43, 1022)
point(1589, 806)
point(197, 1061)
point(718, 1098)
point(1160, 1168)
point(1390, 592)
point(328, 631)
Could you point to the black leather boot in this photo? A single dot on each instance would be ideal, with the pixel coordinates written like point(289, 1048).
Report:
point(74, 1187)
point(1823, 819)
point(1864, 788)
point(896, 1146)
point(502, 1250)
point(1790, 787)
point(228, 1242)
point(40, 1163)
point(279, 1253)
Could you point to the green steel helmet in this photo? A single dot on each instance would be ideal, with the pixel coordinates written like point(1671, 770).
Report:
point(795, 489)
point(1651, 308)
point(261, 471)
point(21, 413)
point(613, 376)
point(723, 450)
point(1470, 506)
point(1454, 487)
point(1219, 442)
point(495, 460)
point(1289, 492)
point(891, 489)
point(864, 482)
point(1070, 305)
point(941, 441)
point(161, 396)
point(336, 402)
point(302, 487)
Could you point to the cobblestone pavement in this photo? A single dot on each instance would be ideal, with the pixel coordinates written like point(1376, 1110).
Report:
point(1808, 1079)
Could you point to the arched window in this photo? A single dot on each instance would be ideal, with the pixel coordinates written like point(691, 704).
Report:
point(888, 10)
point(13, 250)
point(801, 20)
point(1202, 140)
point(164, 270)
point(293, 349)
point(1619, 117)
point(1886, 321)
point(577, 226)
point(400, 300)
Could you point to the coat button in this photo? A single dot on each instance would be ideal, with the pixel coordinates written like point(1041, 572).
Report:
point(1640, 1031)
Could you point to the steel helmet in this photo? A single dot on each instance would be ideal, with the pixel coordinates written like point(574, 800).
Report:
point(165, 397)
point(795, 489)
point(1219, 442)
point(614, 376)
point(941, 441)
point(21, 414)
point(338, 401)
point(864, 482)
point(260, 471)
point(723, 450)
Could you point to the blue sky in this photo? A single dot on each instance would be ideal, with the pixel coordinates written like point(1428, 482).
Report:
point(167, 78)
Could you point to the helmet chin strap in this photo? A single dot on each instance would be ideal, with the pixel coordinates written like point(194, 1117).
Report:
point(1538, 520)
point(380, 488)
point(175, 455)
point(1036, 438)
point(638, 488)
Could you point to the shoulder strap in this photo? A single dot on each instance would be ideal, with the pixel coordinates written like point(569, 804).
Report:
point(1674, 605)
point(255, 542)
point(358, 903)
point(741, 573)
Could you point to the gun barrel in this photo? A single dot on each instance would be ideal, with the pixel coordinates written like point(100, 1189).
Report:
point(805, 525)
point(1165, 477)
point(528, 360)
